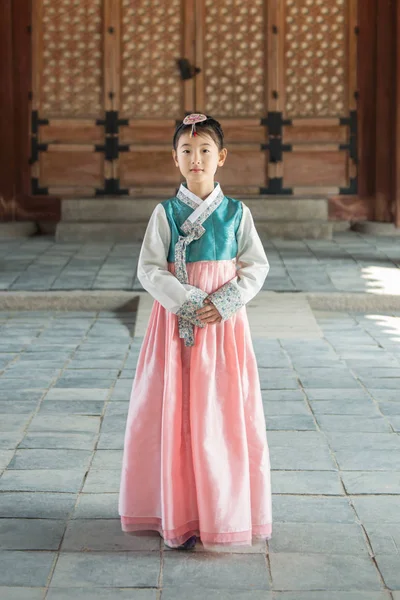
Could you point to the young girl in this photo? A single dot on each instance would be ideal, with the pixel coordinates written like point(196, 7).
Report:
point(196, 459)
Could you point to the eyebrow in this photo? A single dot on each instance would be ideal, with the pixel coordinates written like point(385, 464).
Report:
point(183, 145)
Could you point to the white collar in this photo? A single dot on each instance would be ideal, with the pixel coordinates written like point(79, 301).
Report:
point(184, 190)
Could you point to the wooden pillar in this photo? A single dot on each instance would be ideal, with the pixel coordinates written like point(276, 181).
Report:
point(366, 68)
point(385, 110)
point(15, 76)
point(397, 128)
point(22, 52)
point(7, 116)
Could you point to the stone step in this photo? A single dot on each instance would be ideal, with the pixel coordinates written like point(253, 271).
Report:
point(73, 231)
point(119, 209)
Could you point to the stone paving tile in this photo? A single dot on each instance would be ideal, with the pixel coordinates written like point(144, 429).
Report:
point(368, 460)
point(291, 422)
point(102, 481)
point(41, 480)
point(69, 441)
point(31, 534)
point(345, 407)
point(50, 459)
point(31, 505)
point(97, 506)
point(371, 482)
point(70, 407)
point(349, 423)
point(390, 569)
point(334, 452)
point(299, 450)
point(332, 595)
point(384, 538)
point(98, 593)
point(67, 394)
point(107, 459)
point(390, 408)
point(351, 261)
point(75, 570)
point(20, 593)
point(312, 509)
point(305, 482)
point(378, 509)
point(88, 535)
point(318, 538)
point(25, 568)
point(395, 423)
point(282, 396)
point(225, 572)
point(360, 442)
point(323, 571)
point(174, 593)
point(10, 440)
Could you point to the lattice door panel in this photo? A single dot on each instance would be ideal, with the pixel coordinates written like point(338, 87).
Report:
point(313, 90)
point(68, 96)
point(231, 53)
point(106, 93)
point(280, 75)
point(152, 94)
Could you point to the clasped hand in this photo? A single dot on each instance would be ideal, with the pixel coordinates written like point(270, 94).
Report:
point(208, 314)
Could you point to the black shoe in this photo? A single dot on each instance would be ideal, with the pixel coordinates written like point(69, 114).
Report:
point(188, 545)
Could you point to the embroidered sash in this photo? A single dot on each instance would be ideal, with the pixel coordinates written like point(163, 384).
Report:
point(194, 230)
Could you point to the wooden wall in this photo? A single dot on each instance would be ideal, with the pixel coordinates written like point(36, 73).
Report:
point(378, 109)
point(16, 200)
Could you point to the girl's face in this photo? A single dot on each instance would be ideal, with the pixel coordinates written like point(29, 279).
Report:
point(198, 157)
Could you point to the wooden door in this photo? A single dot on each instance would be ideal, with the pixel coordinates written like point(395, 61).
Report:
point(106, 95)
point(279, 75)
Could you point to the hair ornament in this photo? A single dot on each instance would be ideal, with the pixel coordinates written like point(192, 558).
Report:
point(192, 120)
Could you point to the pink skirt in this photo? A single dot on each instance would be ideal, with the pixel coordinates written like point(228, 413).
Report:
point(196, 458)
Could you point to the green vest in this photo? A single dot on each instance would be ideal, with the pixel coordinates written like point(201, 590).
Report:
point(219, 240)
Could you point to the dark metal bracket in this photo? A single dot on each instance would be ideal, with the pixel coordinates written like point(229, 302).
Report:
point(36, 190)
point(35, 149)
point(111, 148)
point(275, 187)
point(111, 122)
point(352, 190)
point(351, 146)
point(274, 123)
point(111, 188)
point(35, 122)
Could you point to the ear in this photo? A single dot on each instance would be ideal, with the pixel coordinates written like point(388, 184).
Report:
point(222, 157)
point(174, 157)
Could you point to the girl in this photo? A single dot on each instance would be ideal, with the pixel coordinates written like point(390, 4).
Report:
point(196, 459)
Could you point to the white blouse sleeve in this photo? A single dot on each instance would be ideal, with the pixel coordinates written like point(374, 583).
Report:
point(252, 269)
point(152, 270)
point(251, 258)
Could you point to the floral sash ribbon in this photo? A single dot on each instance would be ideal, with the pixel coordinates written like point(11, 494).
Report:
point(194, 230)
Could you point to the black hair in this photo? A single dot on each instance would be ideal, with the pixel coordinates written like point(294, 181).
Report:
point(210, 126)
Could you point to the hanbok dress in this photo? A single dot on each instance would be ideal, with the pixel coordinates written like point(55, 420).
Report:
point(196, 458)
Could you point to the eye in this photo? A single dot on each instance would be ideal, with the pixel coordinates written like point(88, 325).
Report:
point(205, 150)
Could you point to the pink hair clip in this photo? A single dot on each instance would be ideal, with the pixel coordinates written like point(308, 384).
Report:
point(192, 120)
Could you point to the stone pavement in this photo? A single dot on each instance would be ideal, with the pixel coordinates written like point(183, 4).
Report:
point(350, 262)
point(332, 403)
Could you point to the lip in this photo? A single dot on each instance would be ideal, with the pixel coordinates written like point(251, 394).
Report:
point(197, 170)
